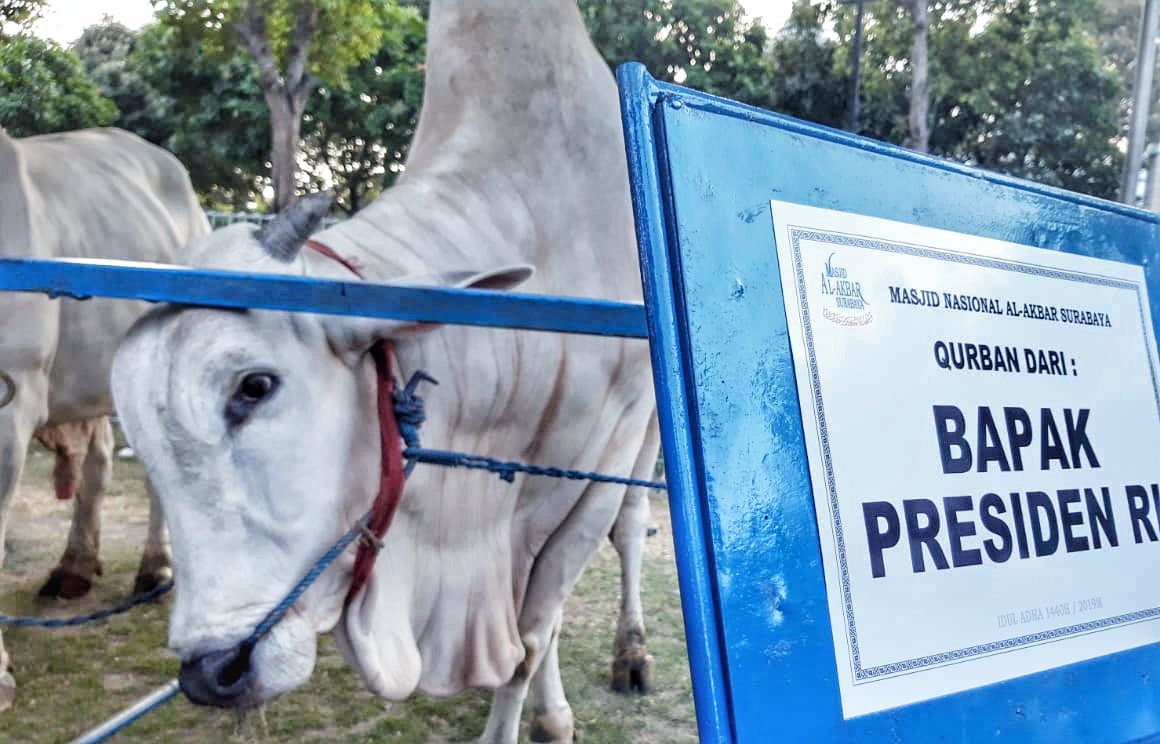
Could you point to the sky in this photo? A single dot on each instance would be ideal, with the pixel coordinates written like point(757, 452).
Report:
point(65, 19)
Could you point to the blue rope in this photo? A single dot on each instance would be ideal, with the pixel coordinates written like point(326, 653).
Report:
point(280, 609)
point(64, 622)
point(162, 695)
point(106, 730)
point(507, 470)
point(410, 415)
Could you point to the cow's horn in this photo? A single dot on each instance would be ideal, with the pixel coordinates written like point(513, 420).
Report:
point(9, 388)
point(283, 236)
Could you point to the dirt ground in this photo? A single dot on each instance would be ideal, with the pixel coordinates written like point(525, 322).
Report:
point(74, 678)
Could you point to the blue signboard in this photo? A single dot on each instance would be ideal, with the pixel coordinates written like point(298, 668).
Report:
point(788, 263)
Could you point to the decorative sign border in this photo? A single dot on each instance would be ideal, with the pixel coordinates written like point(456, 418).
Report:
point(863, 674)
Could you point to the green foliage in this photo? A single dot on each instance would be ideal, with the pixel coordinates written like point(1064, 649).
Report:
point(1017, 86)
point(356, 136)
point(217, 121)
point(1117, 29)
point(348, 31)
point(705, 44)
point(43, 89)
point(806, 81)
point(107, 51)
point(19, 15)
point(293, 44)
point(423, 6)
point(1038, 103)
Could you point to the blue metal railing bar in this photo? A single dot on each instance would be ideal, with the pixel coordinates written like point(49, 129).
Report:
point(82, 279)
point(122, 720)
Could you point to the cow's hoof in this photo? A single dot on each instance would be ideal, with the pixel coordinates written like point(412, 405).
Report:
point(65, 585)
point(553, 726)
point(147, 581)
point(632, 672)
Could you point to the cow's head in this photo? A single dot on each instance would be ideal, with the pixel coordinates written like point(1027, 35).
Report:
point(260, 433)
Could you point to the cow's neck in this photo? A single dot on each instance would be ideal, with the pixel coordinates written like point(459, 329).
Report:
point(471, 21)
point(481, 162)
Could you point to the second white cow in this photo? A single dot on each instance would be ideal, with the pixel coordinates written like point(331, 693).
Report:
point(95, 193)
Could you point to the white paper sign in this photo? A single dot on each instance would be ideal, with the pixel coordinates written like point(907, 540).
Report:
point(983, 428)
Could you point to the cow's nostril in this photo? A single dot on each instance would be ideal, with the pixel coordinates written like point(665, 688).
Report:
point(219, 678)
point(235, 670)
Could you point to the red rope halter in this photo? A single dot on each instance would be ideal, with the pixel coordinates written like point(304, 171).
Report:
point(390, 446)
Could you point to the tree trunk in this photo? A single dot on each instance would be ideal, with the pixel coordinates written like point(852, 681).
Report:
point(919, 79)
point(285, 127)
point(286, 94)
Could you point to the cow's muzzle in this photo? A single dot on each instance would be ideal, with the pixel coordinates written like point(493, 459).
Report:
point(9, 388)
point(224, 679)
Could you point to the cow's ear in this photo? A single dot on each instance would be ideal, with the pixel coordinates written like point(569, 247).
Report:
point(352, 337)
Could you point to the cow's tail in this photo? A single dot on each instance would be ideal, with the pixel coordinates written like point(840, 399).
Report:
point(9, 390)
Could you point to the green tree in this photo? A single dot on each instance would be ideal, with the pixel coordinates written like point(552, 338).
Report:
point(1017, 86)
point(423, 6)
point(43, 88)
point(806, 80)
point(1041, 104)
point(356, 135)
point(213, 115)
point(107, 51)
point(918, 116)
point(279, 36)
point(1117, 30)
point(706, 44)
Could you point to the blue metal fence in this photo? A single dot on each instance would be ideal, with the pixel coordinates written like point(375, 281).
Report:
point(704, 171)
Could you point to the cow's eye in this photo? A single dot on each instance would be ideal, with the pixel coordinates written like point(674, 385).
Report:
point(257, 385)
point(251, 391)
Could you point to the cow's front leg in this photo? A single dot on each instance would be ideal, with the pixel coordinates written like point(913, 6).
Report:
point(18, 419)
point(539, 670)
point(155, 568)
point(507, 703)
point(552, 716)
point(555, 573)
point(81, 563)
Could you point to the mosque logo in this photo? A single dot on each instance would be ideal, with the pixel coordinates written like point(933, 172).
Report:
point(843, 302)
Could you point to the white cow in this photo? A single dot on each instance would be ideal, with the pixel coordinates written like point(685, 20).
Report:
point(259, 429)
point(100, 193)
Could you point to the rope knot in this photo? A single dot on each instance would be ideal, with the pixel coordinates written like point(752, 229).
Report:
point(409, 411)
point(369, 538)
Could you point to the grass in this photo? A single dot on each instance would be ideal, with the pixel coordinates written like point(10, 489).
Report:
point(72, 679)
